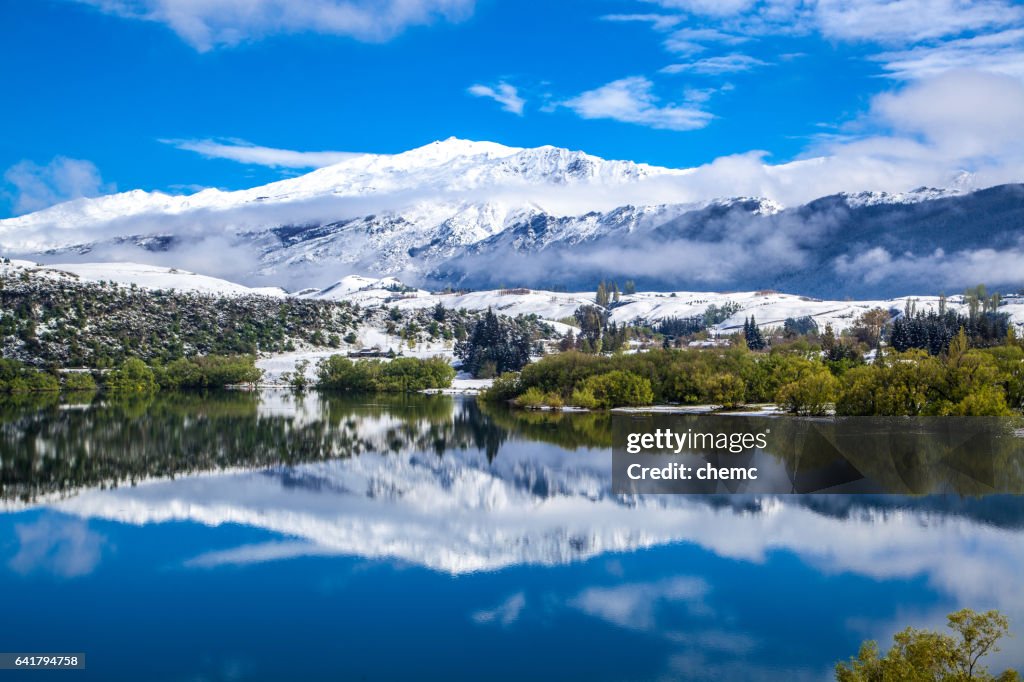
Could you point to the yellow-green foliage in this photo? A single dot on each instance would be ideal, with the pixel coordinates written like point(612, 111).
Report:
point(209, 371)
point(934, 656)
point(398, 375)
point(584, 397)
point(133, 376)
point(812, 392)
point(966, 381)
point(554, 401)
point(79, 381)
point(16, 377)
point(504, 389)
point(619, 388)
point(531, 398)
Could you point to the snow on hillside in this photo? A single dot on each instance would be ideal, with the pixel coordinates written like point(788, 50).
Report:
point(154, 277)
point(769, 308)
point(363, 290)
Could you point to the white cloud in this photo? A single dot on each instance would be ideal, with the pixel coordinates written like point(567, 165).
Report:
point(954, 269)
point(631, 100)
point(903, 21)
point(504, 94)
point(729, 63)
point(923, 37)
point(659, 22)
point(246, 152)
point(708, 7)
point(1001, 52)
point(687, 41)
point(36, 187)
point(206, 24)
point(960, 114)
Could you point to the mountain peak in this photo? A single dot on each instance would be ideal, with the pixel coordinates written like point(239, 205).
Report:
point(453, 147)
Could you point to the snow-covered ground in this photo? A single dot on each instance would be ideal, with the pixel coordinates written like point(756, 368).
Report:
point(770, 309)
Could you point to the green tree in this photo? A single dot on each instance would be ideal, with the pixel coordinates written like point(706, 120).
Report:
point(928, 656)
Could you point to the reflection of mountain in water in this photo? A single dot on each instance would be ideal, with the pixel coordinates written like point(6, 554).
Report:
point(442, 484)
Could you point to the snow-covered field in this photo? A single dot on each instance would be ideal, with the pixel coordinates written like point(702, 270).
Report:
point(770, 309)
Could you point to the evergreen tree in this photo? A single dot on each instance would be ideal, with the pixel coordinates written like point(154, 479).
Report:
point(496, 345)
point(752, 334)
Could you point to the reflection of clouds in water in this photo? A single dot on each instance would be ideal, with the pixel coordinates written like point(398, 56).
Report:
point(695, 665)
point(461, 514)
point(505, 613)
point(633, 606)
point(255, 554)
point(63, 547)
point(715, 640)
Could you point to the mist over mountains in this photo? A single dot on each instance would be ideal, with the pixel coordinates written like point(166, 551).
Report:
point(482, 215)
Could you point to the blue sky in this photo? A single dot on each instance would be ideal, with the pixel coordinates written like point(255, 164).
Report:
point(105, 95)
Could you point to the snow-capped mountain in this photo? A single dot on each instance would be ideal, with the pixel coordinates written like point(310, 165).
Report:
point(484, 215)
point(443, 167)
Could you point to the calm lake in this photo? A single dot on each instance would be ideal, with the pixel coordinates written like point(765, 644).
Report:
point(264, 536)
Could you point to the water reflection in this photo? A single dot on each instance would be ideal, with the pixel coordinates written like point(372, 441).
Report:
point(469, 491)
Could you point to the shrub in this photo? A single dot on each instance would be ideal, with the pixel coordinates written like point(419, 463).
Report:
point(339, 373)
point(504, 389)
point(398, 375)
point(584, 397)
point(532, 398)
point(210, 371)
point(554, 401)
point(811, 393)
point(134, 376)
point(79, 381)
point(619, 389)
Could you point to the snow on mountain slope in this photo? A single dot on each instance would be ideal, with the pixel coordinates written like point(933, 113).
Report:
point(918, 195)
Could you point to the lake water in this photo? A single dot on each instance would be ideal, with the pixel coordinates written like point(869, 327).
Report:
point(249, 536)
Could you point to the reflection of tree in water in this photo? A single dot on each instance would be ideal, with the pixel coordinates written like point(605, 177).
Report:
point(569, 430)
point(53, 447)
point(49, 447)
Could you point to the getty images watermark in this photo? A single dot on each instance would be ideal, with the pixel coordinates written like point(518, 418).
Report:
point(714, 454)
